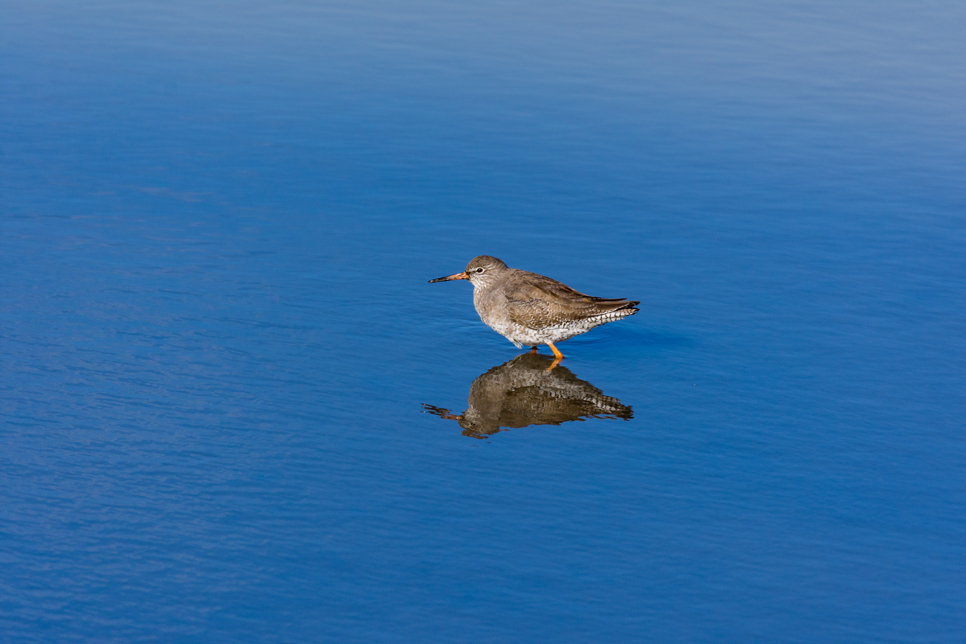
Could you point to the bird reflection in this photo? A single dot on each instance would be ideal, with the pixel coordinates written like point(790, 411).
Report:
point(523, 392)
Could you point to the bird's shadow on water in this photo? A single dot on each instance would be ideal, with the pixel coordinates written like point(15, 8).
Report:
point(523, 392)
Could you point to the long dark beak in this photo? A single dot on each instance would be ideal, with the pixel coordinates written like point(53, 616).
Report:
point(458, 276)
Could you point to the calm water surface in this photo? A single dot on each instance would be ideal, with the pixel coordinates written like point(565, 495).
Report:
point(234, 410)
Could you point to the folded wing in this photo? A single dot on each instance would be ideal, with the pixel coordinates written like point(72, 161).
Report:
point(545, 302)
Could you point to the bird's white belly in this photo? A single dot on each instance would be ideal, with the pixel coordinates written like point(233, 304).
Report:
point(521, 335)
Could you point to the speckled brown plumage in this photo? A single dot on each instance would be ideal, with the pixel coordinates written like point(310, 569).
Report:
point(531, 309)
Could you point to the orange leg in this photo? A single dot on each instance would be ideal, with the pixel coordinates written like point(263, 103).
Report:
point(556, 351)
point(533, 349)
point(557, 356)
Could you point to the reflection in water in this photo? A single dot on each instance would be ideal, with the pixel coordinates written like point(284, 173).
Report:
point(522, 392)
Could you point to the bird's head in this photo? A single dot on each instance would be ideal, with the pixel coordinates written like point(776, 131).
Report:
point(481, 271)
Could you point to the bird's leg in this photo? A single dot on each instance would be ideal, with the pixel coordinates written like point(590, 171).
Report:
point(533, 349)
point(556, 351)
point(557, 356)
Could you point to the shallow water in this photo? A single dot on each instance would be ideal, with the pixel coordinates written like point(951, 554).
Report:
point(219, 347)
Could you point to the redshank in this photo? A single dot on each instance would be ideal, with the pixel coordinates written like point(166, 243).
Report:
point(530, 309)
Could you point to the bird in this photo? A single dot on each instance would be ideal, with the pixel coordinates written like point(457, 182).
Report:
point(531, 309)
point(520, 393)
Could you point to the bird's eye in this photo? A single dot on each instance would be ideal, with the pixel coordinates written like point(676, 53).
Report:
point(480, 269)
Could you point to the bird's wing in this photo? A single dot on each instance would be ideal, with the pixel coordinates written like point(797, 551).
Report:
point(544, 302)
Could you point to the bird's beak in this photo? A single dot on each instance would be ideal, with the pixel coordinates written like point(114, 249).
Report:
point(458, 276)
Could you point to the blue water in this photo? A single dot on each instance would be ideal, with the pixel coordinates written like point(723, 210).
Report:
point(219, 348)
